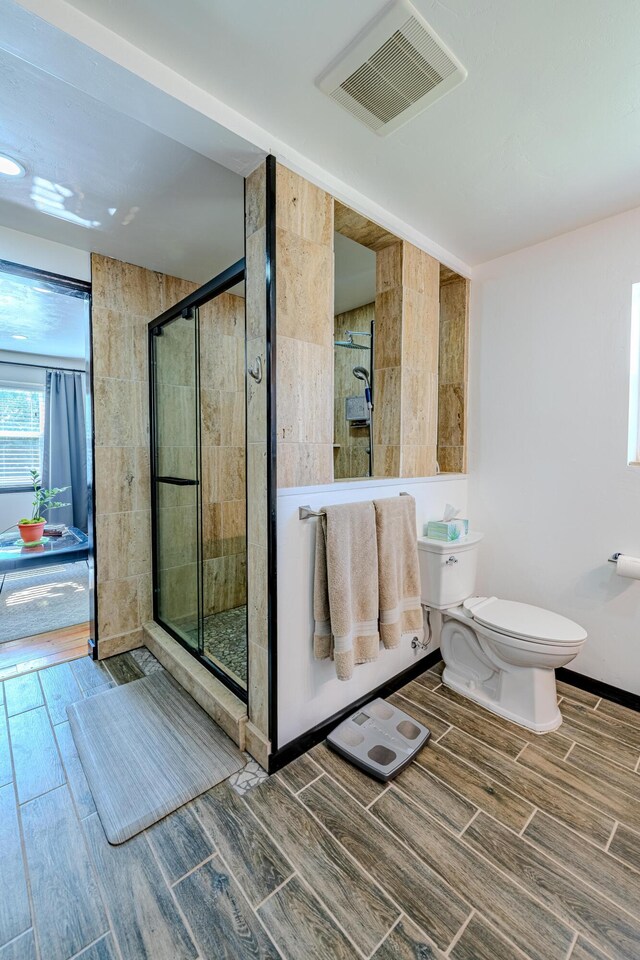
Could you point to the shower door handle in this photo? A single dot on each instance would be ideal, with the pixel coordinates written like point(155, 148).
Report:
point(178, 481)
point(256, 370)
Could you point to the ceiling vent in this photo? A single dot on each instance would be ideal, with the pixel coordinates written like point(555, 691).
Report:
point(393, 70)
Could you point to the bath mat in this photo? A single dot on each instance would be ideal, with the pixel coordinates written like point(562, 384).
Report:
point(147, 748)
point(36, 601)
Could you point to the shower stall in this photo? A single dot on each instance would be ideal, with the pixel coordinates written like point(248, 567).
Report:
point(197, 369)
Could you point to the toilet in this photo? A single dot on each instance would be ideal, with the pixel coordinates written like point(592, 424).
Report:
point(500, 653)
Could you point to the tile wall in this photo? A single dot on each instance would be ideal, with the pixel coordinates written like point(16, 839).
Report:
point(452, 389)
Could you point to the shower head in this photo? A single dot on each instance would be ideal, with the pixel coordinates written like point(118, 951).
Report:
point(361, 373)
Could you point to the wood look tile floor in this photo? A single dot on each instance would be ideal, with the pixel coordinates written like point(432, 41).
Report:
point(494, 844)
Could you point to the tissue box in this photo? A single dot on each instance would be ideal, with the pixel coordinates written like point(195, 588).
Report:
point(446, 529)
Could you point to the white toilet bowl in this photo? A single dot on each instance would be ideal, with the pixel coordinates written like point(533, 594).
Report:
point(500, 653)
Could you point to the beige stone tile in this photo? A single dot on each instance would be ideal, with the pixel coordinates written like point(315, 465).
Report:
point(141, 413)
point(145, 598)
point(232, 473)
point(304, 292)
point(387, 409)
point(211, 473)
point(453, 331)
point(140, 348)
point(113, 337)
point(357, 227)
point(234, 526)
point(123, 545)
point(359, 459)
point(386, 460)
point(303, 208)
point(116, 413)
point(420, 331)
point(112, 646)
point(451, 415)
point(210, 417)
point(257, 743)
point(212, 545)
point(233, 419)
point(118, 607)
point(257, 493)
point(302, 464)
point(178, 595)
point(420, 272)
point(389, 267)
point(224, 316)
point(418, 461)
point(125, 288)
point(342, 463)
point(222, 363)
point(451, 459)
point(257, 590)
point(258, 691)
point(256, 395)
point(174, 289)
point(176, 421)
point(255, 193)
point(122, 479)
point(304, 374)
point(177, 535)
point(415, 406)
point(225, 583)
point(255, 284)
point(389, 334)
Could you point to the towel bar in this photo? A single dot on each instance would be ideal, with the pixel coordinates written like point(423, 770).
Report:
point(614, 557)
point(306, 511)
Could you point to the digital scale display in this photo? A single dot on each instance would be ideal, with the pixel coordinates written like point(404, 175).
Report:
point(360, 718)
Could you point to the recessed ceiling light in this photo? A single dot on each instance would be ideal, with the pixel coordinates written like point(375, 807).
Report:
point(18, 336)
point(10, 167)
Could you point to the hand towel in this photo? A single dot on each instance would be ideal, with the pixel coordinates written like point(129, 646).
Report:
point(398, 570)
point(345, 601)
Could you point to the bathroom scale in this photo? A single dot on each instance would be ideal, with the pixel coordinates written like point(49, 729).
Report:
point(379, 739)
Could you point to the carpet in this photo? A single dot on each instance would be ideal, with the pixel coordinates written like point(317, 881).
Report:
point(146, 749)
point(37, 601)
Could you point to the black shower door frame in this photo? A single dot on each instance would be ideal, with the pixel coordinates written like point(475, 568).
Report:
point(213, 288)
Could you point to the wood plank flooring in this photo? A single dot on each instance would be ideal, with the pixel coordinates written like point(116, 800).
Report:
point(24, 656)
point(494, 844)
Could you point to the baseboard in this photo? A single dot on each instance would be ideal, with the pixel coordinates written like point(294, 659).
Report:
point(295, 748)
point(601, 689)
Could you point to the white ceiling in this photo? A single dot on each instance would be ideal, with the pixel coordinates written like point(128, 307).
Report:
point(101, 181)
point(52, 321)
point(542, 137)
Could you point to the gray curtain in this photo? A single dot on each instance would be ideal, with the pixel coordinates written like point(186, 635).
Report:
point(64, 461)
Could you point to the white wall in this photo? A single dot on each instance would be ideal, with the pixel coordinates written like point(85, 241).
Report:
point(32, 251)
point(549, 482)
point(308, 691)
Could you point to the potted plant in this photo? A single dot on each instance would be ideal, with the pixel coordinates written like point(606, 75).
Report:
point(31, 530)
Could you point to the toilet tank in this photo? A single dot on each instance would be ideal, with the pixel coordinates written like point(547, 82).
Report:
point(448, 570)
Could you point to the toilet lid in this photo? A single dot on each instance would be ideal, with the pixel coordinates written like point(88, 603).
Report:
point(524, 620)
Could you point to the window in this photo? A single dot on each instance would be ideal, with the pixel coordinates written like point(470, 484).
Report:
point(21, 434)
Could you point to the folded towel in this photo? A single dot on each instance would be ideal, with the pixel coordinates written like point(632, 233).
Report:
point(398, 570)
point(345, 596)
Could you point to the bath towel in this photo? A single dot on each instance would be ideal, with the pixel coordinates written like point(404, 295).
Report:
point(345, 601)
point(398, 570)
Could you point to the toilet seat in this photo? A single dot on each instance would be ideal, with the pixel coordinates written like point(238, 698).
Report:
point(523, 621)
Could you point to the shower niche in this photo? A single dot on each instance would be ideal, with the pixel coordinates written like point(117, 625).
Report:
point(198, 454)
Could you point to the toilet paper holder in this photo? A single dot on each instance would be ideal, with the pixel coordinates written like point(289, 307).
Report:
point(614, 557)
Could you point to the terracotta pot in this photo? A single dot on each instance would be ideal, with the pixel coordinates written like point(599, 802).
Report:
point(31, 532)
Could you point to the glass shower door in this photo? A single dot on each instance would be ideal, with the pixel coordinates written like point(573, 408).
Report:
point(175, 453)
